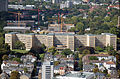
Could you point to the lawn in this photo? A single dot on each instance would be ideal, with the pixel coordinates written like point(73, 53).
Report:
point(19, 51)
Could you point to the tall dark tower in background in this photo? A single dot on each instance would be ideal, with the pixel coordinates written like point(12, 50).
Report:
point(3, 5)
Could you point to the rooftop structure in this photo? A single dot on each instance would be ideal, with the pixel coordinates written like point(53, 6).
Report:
point(24, 23)
point(17, 29)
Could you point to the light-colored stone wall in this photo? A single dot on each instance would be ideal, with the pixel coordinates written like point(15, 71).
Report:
point(100, 40)
point(80, 40)
point(70, 41)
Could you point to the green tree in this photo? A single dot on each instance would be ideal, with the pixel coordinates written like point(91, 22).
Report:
point(56, 63)
point(119, 72)
point(37, 50)
point(19, 45)
point(95, 70)
point(98, 48)
point(93, 58)
point(17, 59)
point(52, 50)
point(80, 64)
point(107, 19)
point(80, 26)
point(42, 56)
point(105, 71)
point(25, 69)
point(111, 50)
point(5, 57)
point(85, 51)
point(114, 30)
point(15, 75)
point(67, 52)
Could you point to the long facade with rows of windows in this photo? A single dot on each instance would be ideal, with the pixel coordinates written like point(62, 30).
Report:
point(62, 40)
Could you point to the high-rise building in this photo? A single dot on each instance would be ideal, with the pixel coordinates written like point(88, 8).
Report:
point(47, 70)
point(3, 5)
point(48, 67)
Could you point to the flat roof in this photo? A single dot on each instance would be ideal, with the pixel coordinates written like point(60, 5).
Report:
point(61, 33)
point(18, 28)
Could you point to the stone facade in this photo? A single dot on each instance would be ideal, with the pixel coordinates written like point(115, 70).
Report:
point(62, 40)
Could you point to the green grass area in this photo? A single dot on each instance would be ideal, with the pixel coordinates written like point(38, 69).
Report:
point(19, 51)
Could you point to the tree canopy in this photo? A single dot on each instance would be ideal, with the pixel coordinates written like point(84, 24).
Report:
point(19, 45)
point(66, 52)
point(15, 75)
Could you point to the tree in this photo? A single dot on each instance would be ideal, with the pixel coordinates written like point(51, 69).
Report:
point(89, 49)
point(119, 73)
point(67, 52)
point(17, 59)
point(93, 58)
point(42, 56)
point(5, 57)
point(114, 30)
point(52, 50)
point(98, 49)
point(80, 64)
point(95, 70)
point(85, 51)
point(15, 75)
point(25, 69)
point(19, 45)
point(56, 63)
point(37, 50)
point(76, 56)
point(111, 50)
point(107, 19)
point(80, 26)
point(44, 47)
point(105, 71)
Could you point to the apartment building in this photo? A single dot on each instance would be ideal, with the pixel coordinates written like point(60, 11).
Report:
point(62, 40)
